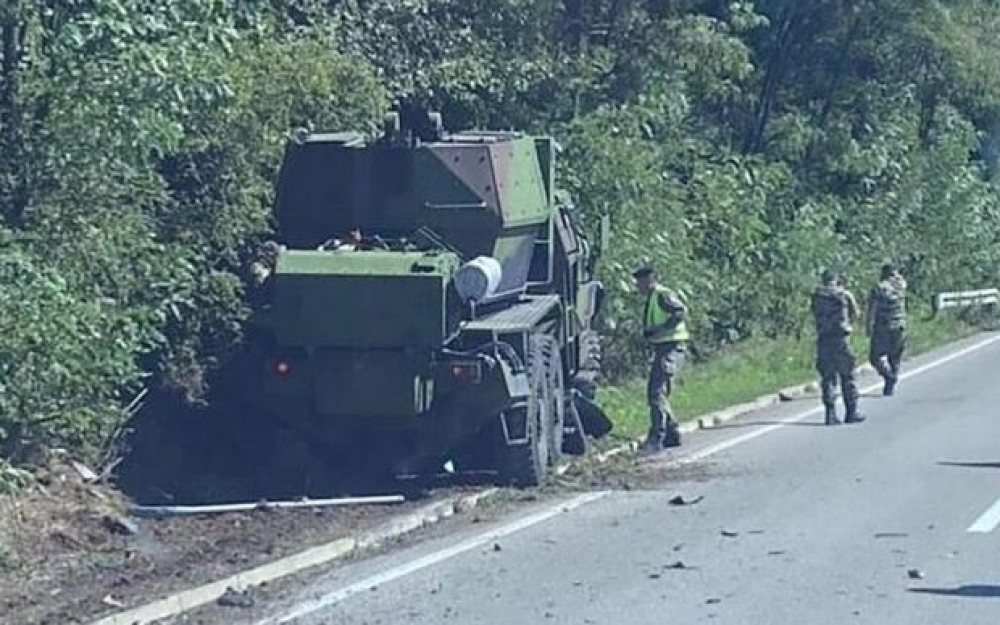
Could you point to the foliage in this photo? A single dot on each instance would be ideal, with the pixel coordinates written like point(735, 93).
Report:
point(150, 134)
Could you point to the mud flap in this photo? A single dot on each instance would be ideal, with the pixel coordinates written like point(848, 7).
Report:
point(593, 419)
point(515, 419)
point(574, 438)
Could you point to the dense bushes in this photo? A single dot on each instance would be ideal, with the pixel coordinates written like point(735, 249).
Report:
point(740, 147)
point(147, 136)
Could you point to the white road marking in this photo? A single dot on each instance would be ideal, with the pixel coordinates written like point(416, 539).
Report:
point(339, 595)
point(988, 521)
point(711, 450)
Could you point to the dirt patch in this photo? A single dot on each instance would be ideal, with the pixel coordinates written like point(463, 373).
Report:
point(627, 471)
point(70, 555)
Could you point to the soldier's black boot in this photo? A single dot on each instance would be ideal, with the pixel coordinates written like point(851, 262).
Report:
point(673, 436)
point(890, 386)
point(831, 416)
point(853, 414)
point(652, 445)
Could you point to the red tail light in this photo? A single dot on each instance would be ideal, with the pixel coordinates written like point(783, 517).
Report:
point(466, 371)
point(282, 368)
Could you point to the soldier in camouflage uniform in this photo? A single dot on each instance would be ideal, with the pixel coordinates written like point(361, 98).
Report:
point(263, 268)
point(834, 310)
point(887, 326)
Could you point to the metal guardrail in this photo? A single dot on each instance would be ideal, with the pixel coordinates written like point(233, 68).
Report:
point(966, 299)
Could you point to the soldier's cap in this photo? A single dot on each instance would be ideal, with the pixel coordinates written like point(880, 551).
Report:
point(643, 272)
point(829, 276)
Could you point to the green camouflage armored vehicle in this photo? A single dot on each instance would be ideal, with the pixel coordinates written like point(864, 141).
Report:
point(433, 301)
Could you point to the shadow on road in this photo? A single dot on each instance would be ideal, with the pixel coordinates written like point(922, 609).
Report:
point(975, 591)
point(971, 465)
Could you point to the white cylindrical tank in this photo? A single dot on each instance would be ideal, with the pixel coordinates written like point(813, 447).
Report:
point(479, 278)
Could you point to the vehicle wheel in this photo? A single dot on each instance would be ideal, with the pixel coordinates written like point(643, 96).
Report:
point(557, 390)
point(525, 465)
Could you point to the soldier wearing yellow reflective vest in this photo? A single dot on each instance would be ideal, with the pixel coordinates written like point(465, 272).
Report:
point(664, 328)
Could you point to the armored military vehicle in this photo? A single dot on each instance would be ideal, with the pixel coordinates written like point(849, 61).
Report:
point(433, 301)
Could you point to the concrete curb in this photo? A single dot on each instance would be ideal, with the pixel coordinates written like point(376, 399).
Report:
point(323, 554)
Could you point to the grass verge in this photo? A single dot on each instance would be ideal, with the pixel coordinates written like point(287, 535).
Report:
point(754, 368)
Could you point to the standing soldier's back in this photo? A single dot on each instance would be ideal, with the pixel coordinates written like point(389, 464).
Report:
point(890, 305)
point(831, 309)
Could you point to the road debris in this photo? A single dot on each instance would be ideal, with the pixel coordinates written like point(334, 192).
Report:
point(111, 602)
point(892, 535)
point(497, 547)
point(915, 574)
point(729, 534)
point(117, 524)
point(777, 552)
point(86, 473)
point(234, 599)
point(654, 576)
point(679, 500)
point(678, 566)
point(168, 511)
point(713, 601)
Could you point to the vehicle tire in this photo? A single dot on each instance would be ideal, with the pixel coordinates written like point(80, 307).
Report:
point(558, 398)
point(526, 465)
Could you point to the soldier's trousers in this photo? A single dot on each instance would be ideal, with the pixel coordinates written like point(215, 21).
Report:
point(885, 352)
point(834, 362)
point(667, 361)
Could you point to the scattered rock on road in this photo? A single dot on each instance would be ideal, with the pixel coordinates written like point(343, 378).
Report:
point(679, 500)
point(729, 534)
point(234, 599)
point(915, 574)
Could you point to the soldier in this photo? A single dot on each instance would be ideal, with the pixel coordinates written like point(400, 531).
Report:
point(664, 328)
point(887, 326)
point(834, 310)
point(263, 267)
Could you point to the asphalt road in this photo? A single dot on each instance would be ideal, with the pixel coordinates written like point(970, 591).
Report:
point(891, 522)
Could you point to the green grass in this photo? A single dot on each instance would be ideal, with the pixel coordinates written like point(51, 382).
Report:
point(751, 369)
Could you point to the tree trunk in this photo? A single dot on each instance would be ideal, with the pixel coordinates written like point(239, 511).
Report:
point(773, 77)
point(13, 183)
point(843, 54)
